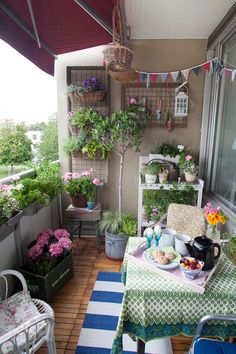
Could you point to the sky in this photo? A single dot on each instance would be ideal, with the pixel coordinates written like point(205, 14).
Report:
point(27, 93)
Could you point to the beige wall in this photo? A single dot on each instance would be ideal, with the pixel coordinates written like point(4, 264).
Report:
point(153, 56)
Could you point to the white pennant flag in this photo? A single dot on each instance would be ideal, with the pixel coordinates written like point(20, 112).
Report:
point(233, 74)
point(164, 76)
point(185, 73)
point(174, 75)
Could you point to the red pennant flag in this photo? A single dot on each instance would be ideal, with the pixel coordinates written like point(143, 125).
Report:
point(153, 78)
point(207, 65)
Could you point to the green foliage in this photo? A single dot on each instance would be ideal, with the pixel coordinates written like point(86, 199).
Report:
point(94, 147)
point(15, 146)
point(36, 126)
point(29, 193)
point(126, 131)
point(153, 168)
point(168, 149)
point(156, 202)
point(8, 207)
point(80, 184)
point(74, 144)
point(85, 117)
point(124, 224)
point(48, 147)
point(49, 178)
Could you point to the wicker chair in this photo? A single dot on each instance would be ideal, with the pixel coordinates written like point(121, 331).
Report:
point(25, 323)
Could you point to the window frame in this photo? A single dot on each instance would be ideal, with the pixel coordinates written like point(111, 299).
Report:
point(209, 123)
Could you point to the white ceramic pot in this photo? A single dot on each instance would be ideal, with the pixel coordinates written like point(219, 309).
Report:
point(167, 238)
point(163, 176)
point(189, 177)
point(150, 178)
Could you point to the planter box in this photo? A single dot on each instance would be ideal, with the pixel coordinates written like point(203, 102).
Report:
point(33, 208)
point(165, 158)
point(10, 226)
point(45, 287)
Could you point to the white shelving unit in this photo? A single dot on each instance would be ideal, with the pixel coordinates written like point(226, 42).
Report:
point(198, 187)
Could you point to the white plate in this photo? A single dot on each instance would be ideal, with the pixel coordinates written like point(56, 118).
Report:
point(168, 266)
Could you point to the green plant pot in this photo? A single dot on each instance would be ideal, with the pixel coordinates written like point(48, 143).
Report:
point(45, 287)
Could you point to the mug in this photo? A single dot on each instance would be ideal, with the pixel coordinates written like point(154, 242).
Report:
point(180, 247)
point(167, 238)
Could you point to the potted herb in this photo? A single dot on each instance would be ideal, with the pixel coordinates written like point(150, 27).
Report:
point(96, 150)
point(166, 151)
point(117, 227)
point(49, 265)
point(151, 171)
point(74, 145)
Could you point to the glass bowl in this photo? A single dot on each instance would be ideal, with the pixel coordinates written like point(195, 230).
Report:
point(185, 265)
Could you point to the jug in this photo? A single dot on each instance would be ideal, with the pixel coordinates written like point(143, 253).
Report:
point(203, 249)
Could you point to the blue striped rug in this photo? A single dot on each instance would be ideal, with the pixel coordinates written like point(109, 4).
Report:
point(101, 320)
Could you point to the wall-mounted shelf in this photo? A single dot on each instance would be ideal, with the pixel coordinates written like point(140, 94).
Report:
point(158, 95)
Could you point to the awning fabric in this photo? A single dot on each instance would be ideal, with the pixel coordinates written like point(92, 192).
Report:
point(61, 24)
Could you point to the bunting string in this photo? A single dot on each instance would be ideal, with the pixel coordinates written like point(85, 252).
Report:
point(212, 66)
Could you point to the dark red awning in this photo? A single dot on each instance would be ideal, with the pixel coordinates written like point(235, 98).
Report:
point(62, 25)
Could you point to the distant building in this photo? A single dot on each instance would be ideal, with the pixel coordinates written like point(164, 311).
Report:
point(35, 137)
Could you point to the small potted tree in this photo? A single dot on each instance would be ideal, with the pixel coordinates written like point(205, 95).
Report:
point(125, 132)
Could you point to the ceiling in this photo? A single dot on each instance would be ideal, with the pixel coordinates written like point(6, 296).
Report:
point(170, 19)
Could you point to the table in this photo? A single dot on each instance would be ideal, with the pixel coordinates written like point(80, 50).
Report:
point(155, 307)
point(77, 216)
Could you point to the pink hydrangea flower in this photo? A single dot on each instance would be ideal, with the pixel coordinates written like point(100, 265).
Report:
point(67, 176)
point(96, 181)
point(132, 101)
point(34, 252)
point(55, 249)
point(59, 233)
point(66, 243)
point(188, 158)
point(5, 187)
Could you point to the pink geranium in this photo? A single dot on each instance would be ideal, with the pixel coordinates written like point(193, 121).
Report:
point(188, 157)
point(96, 181)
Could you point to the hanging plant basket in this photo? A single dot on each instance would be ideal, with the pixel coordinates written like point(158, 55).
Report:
point(88, 97)
point(79, 155)
point(116, 52)
point(125, 77)
point(73, 129)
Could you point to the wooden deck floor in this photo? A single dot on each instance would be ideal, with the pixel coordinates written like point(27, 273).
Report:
point(71, 302)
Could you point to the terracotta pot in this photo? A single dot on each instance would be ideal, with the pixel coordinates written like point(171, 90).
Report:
point(189, 177)
point(79, 201)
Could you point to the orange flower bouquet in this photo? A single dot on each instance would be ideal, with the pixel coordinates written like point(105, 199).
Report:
point(214, 216)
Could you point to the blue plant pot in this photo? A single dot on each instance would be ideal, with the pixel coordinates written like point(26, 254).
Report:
point(90, 205)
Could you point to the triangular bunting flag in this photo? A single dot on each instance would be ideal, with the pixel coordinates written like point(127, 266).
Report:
point(228, 73)
point(142, 77)
point(185, 73)
point(207, 65)
point(218, 66)
point(153, 78)
point(164, 76)
point(233, 75)
point(196, 70)
point(148, 81)
point(174, 75)
point(211, 71)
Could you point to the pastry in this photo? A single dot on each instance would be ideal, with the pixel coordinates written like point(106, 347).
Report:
point(162, 260)
point(159, 253)
point(170, 256)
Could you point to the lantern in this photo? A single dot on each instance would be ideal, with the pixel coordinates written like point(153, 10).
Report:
point(181, 101)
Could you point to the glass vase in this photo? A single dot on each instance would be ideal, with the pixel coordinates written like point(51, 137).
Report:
point(212, 232)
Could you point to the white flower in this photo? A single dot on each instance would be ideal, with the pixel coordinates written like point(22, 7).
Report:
point(18, 187)
point(181, 147)
point(15, 178)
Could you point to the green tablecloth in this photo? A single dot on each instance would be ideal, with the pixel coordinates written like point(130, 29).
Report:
point(155, 307)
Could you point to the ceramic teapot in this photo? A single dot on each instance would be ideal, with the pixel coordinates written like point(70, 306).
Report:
point(203, 249)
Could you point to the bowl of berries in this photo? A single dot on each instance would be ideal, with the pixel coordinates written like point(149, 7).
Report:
point(191, 267)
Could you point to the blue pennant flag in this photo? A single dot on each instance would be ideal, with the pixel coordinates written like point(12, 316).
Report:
point(219, 66)
point(196, 70)
point(143, 77)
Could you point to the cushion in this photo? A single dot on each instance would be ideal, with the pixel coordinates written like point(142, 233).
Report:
point(186, 219)
point(209, 346)
point(15, 311)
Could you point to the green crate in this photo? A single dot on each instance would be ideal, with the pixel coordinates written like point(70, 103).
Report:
point(45, 287)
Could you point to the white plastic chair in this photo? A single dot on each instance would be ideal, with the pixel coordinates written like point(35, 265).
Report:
point(31, 334)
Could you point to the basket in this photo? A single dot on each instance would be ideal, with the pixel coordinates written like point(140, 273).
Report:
point(125, 77)
point(87, 97)
point(73, 128)
point(117, 52)
point(80, 201)
point(79, 155)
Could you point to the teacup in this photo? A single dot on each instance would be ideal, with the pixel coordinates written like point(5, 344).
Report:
point(167, 238)
point(180, 247)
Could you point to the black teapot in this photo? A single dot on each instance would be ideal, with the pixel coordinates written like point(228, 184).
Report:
point(203, 248)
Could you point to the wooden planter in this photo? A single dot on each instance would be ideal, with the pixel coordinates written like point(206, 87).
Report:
point(45, 287)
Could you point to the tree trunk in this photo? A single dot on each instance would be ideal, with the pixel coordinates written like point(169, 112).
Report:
point(120, 182)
